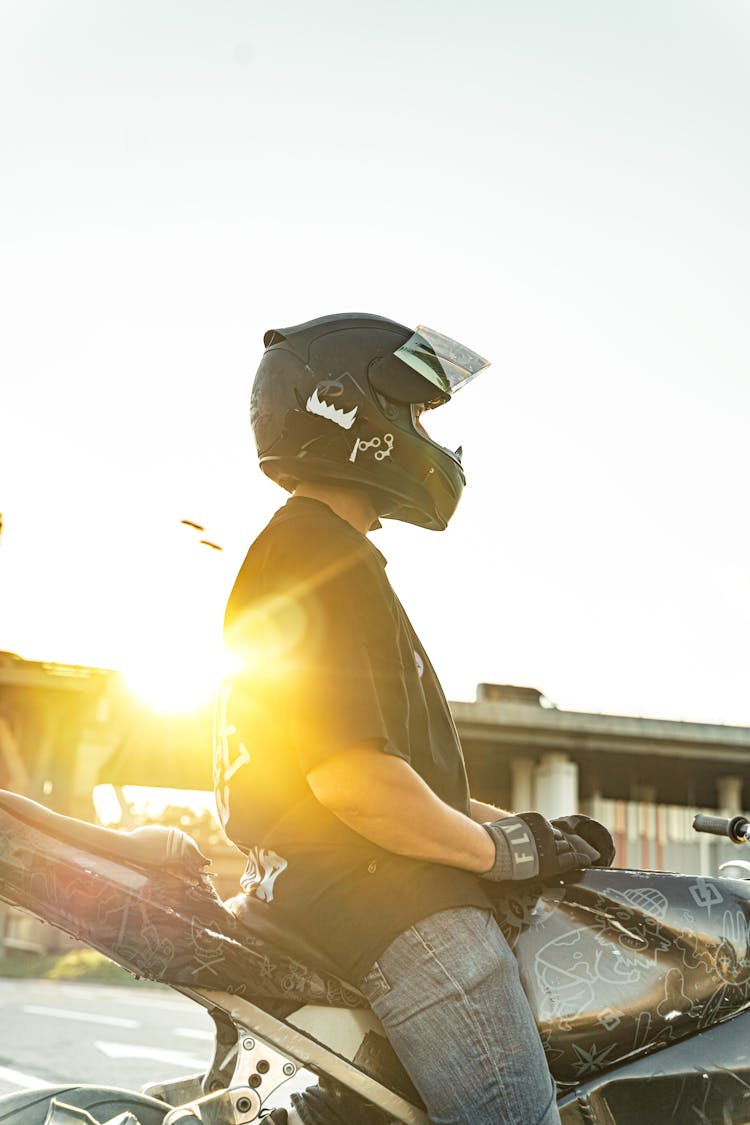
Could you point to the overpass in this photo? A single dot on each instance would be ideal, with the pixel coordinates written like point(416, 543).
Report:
point(643, 777)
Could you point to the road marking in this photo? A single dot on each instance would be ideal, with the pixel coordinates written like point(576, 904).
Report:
point(155, 1054)
point(193, 1033)
point(15, 1078)
point(153, 998)
point(85, 1017)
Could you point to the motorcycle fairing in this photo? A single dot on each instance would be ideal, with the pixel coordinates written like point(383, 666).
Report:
point(700, 1080)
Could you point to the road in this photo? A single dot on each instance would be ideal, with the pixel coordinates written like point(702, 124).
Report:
point(59, 1031)
point(55, 1031)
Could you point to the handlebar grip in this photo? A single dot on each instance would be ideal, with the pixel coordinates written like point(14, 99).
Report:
point(735, 827)
point(716, 825)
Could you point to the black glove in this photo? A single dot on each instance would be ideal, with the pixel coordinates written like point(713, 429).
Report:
point(527, 846)
point(594, 833)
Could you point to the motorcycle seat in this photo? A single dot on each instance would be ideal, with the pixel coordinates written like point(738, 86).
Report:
point(151, 845)
point(265, 925)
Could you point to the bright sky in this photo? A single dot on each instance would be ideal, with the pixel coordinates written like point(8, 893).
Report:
point(562, 186)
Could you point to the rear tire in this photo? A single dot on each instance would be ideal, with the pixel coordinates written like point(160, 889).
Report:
point(29, 1107)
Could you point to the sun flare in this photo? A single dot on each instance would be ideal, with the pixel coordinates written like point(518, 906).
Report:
point(181, 680)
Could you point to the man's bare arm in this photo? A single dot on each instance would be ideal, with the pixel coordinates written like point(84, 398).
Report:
point(383, 799)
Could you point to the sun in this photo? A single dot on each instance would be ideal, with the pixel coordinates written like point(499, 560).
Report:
point(177, 679)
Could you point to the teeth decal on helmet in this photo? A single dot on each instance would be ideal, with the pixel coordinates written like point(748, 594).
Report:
point(326, 410)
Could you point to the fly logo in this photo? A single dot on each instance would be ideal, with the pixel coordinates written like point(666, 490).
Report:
point(522, 848)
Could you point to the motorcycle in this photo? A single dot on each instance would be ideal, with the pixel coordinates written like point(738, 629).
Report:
point(639, 982)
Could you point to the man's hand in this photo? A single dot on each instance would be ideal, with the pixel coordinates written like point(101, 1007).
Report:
point(527, 846)
point(594, 833)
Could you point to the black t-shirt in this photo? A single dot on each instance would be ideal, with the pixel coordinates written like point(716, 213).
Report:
point(327, 660)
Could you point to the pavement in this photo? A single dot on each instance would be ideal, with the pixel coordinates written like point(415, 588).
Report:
point(58, 1031)
point(62, 1031)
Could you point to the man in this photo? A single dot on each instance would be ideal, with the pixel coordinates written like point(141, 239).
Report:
point(338, 768)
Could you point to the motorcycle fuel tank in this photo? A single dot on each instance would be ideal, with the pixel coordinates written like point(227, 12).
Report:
point(619, 963)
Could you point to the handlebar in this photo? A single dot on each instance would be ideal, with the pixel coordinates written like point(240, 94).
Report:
point(737, 828)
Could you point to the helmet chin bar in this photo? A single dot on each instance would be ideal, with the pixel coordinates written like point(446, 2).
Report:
point(430, 503)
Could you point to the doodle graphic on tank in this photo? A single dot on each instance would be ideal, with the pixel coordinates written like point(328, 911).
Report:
point(619, 963)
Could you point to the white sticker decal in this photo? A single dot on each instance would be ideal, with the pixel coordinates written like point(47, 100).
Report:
point(315, 405)
point(263, 869)
point(374, 443)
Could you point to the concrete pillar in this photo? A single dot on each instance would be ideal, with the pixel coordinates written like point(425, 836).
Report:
point(646, 797)
point(522, 785)
point(556, 786)
point(729, 792)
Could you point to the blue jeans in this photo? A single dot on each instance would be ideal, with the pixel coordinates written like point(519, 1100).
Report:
point(449, 996)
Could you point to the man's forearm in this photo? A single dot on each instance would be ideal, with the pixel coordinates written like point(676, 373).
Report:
point(383, 799)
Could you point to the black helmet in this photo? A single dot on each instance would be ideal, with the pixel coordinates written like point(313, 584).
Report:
point(339, 398)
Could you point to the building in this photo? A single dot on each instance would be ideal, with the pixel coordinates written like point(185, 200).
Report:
point(54, 719)
point(644, 778)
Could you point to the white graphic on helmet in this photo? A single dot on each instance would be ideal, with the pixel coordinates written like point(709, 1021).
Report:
point(374, 443)
point(326, 410)
point(262, 870)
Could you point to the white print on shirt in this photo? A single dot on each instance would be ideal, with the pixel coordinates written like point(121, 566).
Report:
point(262, 871)
point(373, 444)
point(225, 766)
point(419, 663)
point(315, 405)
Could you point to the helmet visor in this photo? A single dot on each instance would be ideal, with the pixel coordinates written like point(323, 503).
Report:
point(447, 364)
